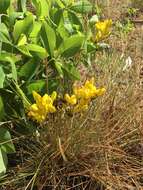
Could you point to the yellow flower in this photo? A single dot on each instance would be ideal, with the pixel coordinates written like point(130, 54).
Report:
point(70, 99)
point(88, 90)
point(103, 30)
point(81, 106)
point(100, 92)
point(54, 95)
point(42, 107)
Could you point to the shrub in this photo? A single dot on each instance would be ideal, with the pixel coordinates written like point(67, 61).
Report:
point(40, 50)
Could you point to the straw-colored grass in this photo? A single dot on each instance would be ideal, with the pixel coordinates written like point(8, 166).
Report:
point(100, 149)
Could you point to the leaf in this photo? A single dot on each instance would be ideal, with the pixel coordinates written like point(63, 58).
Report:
point(35, 31)
point(6, 143)
point(22, 5)
point(28, 70)
point(31, 50)
point(72, 71)
point(4, 30)
point(4, 39)
point(37, 86)
point(71, 45)
point(1, 109)
point(53, 84)
point(12, 61)
point(4, 4)
point(37, 50)
point(82, 6)
point(23, 49)
point(22, 40)
point(3, 162)
point(62, 30)
point(42, 7)
point(58, 66)
point(23, 27)
point(91, 47)
point(75, 21)
point(58, 16)
point(60, 4)
point(2, 77)
point(49, 38)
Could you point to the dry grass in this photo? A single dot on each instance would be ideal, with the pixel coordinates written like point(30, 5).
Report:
point(101, 149)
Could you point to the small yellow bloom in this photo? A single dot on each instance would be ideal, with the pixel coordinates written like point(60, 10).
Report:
point(88, 90)
point(54, 95)
point(100, 92)
point(81, 106)
point(42, 107)
point(70, 99)
point(103, 30)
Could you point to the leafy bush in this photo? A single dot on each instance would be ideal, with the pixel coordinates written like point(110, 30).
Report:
point(40, 50)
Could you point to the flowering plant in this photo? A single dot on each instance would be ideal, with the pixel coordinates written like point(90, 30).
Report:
point(77, 102)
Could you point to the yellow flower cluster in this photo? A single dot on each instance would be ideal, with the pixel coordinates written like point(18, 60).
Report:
point(42, 107)
point(77, 102)
point(83, 95)
point(103, 30)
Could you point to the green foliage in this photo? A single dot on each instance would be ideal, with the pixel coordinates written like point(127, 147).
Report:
point(1, 109)
point(6, 147)
point(4, 4)
point(125, 27)
point(38, 48)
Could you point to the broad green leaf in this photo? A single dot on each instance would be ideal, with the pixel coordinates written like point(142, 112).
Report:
point(35, 32)
point(13, 16)
point(62, 30)
point(22, 5)
point(91, 47)
point(28, 70)
point(2, 77)
point(3, 162)
point(1, 109)
point(42, 7)
point(68, 27)
point(6, 143)
point(23, 27)
point(58, 15)
point(37, 86)
point(82, 6)
point(71, 45)
point(31, 50)
point(58, 66)
point(4, 30)
point(53, 84)
point(4, 4)
point(12, 61)
point(60, 4)
point(4, 39)
point(71, 71)
point(37, 50)
point(75, 21)
point(22, 40)
point(48, 37)
point(23, 49)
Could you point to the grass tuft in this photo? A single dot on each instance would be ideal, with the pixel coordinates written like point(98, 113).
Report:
point(100, 149)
